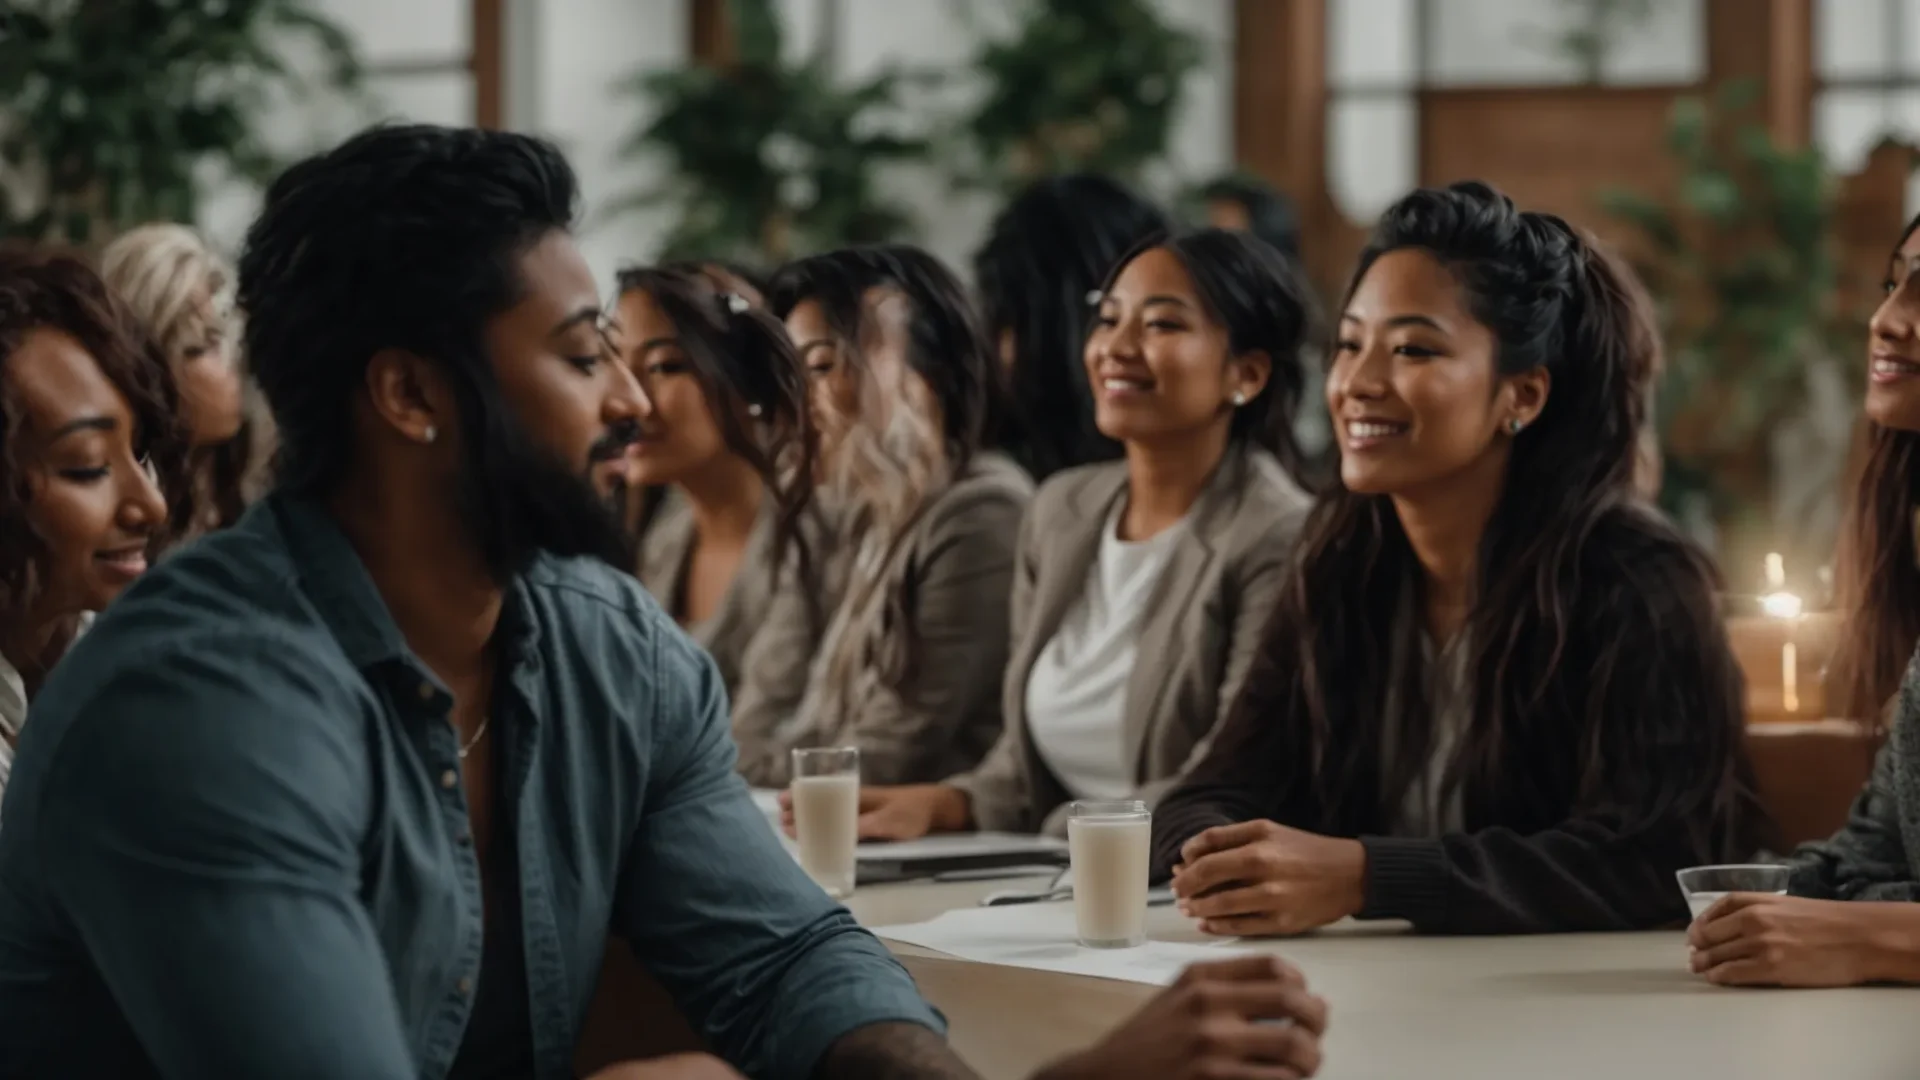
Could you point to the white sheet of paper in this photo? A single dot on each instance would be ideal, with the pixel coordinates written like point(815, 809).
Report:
point(1041, 937)
point(962, 845)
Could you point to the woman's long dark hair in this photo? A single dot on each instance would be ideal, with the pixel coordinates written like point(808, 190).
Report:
point(755, 386)
point(1255, 293)
point(1552, 301)
point(1878, 568)
point(1051, 246)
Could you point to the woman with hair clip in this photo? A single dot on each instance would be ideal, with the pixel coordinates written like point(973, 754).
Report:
point(1143, 585)
point(1851, 915)
point(1496, 695)
point(178, 288)
point(727, 429)
point(905, 393)
point(1046, 252)
point(88, 442)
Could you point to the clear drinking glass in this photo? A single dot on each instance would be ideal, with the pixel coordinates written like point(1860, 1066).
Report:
point(1705, 884)
point(1108, 843)
point(826, 815)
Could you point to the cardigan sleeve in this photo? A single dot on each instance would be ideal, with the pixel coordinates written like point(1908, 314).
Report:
point(997, 790)
point(1669, 789)
point(1868, 858)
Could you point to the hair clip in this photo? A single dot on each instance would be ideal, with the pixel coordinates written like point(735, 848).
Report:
point(736, 303)
point(1094, 296)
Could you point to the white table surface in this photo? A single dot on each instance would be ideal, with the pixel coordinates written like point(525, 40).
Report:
point(1406, 1007)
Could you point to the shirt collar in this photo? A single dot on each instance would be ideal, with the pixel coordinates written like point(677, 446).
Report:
point(341, 590)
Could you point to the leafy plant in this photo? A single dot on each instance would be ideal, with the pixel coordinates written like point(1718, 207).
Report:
point(1081, 84)
point(1591, 29)
point(1743, 261)
point(113, 112)
point(766, 158)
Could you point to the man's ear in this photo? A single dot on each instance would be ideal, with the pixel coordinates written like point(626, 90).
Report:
point(409, 395)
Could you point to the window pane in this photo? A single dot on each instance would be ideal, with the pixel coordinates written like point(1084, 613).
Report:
point(1669, 47)
point(1909, 36)
point(1372, 156)
point(428, 98)
point(1847, 124)
point(409, 30)
point(1497, 43)
point(1850, 38)
point(1371, 43)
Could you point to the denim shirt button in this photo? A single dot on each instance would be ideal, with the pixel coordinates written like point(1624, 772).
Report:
point(464, 987)
point(449, 779)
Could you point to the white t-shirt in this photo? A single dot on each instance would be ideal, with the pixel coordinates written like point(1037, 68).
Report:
point(1077, 690)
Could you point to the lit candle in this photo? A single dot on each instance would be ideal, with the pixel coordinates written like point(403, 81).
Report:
point(1781, 604)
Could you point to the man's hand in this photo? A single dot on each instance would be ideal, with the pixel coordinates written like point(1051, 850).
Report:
point(1259, 878)
point(906, 812)
point(1245, 1019)
point(676, 1067)
point(1759, 939)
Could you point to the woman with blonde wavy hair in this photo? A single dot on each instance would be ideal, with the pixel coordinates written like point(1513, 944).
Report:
point(906, 391)
point(180, 290)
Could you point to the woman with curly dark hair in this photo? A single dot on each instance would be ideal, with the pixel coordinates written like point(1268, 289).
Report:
point(89, 450)
point(178, 289)
point(727, 433)
point(1496, 695)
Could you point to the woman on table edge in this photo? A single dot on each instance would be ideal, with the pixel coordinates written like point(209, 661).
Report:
point(1851, 915)
point(1143, 585)
point(1496, 695)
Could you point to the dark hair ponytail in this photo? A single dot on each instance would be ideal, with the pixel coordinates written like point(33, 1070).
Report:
point(756, 387)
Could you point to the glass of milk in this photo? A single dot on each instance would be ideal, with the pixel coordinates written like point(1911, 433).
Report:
point(1108, 843)
point(1703, 885)
point(826, 815)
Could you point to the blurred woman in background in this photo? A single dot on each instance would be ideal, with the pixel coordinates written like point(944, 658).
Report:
point(1047, 251)
point(1248, 204)
point(180, 291)
point(1497, 695)
point(727, 428)
point(1143, 586)
point(906, 392)
point(89, 451)
point(1852, 915)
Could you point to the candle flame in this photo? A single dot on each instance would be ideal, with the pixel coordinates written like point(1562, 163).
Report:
point(1781, 605)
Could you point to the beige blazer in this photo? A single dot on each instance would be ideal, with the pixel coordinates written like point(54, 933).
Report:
point(952, 572)
point(1198, 637)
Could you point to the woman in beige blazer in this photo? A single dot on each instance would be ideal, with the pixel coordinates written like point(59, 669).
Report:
point(728, 442)
point(1144, 585)
point(905, 392)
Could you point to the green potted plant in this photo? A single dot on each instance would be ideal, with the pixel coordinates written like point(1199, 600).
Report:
point(1079, 85)
point(766, 158)
point(115, 112)
point(1755, 406)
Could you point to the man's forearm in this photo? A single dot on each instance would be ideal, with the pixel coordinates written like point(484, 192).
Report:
point(892, 1051)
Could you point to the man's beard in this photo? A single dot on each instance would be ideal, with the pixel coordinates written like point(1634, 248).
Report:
point(518, 500)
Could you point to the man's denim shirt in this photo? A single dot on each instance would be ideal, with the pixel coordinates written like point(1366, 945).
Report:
point(235, 840)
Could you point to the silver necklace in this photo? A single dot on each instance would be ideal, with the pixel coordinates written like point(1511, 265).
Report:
point(478, 734)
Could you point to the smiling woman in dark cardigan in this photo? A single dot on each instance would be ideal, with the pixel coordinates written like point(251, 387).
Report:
point(1496, 695)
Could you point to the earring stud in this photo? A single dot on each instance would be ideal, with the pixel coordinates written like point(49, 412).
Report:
point(1239, 398)
point(1514, 425)
point(754, 409)
point(430, 434)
